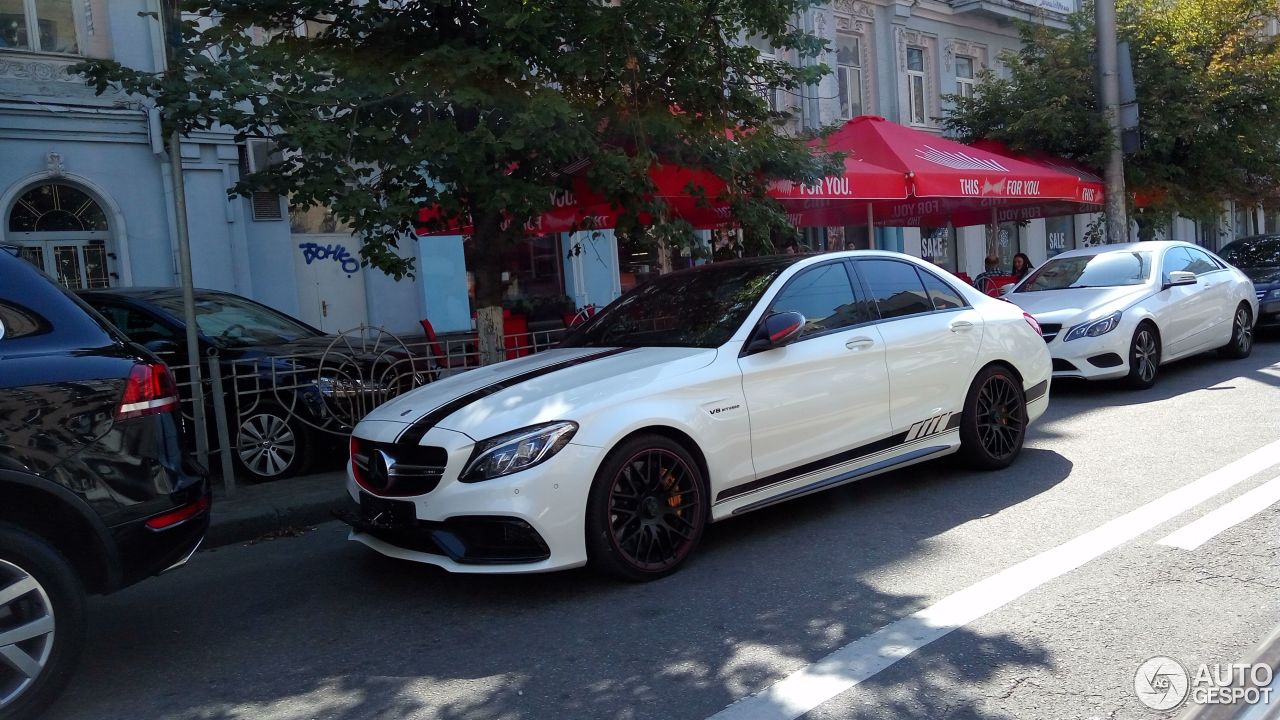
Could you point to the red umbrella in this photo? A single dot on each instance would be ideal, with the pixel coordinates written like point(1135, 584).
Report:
point(1090, 190)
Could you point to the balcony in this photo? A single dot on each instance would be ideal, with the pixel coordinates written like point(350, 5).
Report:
point(1054, 12)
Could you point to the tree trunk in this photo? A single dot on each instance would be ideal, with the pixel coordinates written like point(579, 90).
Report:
point(489, 241)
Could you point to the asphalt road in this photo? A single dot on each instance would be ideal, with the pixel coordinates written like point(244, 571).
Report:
point(317, 627)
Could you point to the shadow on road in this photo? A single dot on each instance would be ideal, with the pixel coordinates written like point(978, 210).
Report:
point(315, 627)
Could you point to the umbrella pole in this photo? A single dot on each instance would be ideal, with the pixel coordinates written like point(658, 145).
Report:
point(871, 226)
point(993, 237)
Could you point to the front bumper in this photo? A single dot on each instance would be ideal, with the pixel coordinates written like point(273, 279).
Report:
point(1269, 314)
point(1105, 357)
point(530, 521)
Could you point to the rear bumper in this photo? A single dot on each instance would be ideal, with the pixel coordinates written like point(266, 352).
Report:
point(144, 552)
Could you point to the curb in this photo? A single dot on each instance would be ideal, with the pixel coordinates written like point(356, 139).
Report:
point(259, 510)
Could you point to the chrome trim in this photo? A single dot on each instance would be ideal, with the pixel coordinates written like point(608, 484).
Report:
point(185, 559)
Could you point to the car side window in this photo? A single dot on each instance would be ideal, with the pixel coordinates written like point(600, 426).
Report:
point(1200, 262)
point(1176, 260)
point(825, 296)
point(944, 296)
point(20, 321)
point(895, 288)
point(139, 326)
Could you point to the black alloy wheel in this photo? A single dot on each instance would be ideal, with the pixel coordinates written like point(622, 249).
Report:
point(647, 509)
point(994, 421)
point(1144, 357)
point(42, 623)
point(1241, 344)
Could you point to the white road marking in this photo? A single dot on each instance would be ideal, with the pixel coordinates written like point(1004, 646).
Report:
point(1195, 534)
point(842, 670)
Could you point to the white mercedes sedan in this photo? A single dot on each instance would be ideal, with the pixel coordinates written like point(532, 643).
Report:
point(700, 396)
point(1121, 311)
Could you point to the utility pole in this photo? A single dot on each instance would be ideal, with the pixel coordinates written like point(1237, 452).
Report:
point(1109, 77)
point(173, 33)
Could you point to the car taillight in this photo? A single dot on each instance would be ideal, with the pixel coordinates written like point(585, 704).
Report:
point(149, 391)
point(1032, 322)
point(181, 515)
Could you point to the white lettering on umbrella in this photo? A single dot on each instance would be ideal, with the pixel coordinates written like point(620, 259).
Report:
point(970, 187)
point(1089, 195)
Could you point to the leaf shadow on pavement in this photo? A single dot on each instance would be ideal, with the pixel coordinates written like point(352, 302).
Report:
point(316, 627)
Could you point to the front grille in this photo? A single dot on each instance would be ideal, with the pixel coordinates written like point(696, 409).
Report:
point(396, 470)
point(1049, 331)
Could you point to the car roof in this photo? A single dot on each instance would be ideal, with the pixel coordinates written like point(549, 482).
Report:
point(147, 293)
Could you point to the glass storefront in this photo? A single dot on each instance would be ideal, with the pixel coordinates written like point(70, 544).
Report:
point(1060, 235)
point(1008, 243)
point(938, 246)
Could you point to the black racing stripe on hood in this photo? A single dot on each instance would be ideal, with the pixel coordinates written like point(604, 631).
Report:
point(412, 435)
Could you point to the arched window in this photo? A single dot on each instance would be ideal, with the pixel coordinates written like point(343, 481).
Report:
point(62, 230)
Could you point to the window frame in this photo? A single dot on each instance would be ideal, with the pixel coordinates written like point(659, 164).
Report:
point(31, 19)
point(1217, 266)
point(866, 289)
point(849, 77)
point(965, 84)
point(920, 77)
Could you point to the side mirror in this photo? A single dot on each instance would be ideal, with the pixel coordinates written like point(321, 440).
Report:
point(1180, 277)
point(777, 330)
point(162, 346)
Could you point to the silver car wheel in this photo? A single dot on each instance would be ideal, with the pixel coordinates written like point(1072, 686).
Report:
point(1144, 351)
point(266, 445)
point(1243, 331)
point(26, 631)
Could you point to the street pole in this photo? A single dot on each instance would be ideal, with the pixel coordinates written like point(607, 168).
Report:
point(1109, 76)
point(173, 32)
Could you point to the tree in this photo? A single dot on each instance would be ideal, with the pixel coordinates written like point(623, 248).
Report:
point(1208, 81)
point(380, 108)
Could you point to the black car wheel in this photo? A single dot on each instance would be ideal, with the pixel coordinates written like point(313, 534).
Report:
point(1144, 357)
point(993, 424)
point(271, 443)
point(42, 623)
point(1241, 345)
point(647, 509)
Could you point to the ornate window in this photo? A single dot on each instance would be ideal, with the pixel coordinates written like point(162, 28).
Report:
point(917, 80)
point(51, 26)
point(849, 74)
point(56, 208)
point(60, 229)
point(964, 76)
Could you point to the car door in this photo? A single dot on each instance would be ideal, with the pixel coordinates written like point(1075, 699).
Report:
point(1219, 308)
point(1186, 312)
point(825, 393)
point(932, 337)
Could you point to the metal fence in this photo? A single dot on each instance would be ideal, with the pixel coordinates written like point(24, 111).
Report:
point(269, 415)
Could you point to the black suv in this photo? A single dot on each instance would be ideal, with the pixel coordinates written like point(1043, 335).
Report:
point(97, 490)
point(1259, 258)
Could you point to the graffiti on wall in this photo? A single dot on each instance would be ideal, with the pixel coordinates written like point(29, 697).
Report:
point(337, 253)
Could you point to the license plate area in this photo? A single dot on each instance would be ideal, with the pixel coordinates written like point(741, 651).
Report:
point(387, 513)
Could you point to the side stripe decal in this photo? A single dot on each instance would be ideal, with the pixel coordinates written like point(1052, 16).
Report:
point(413, 434)
point(1037, 391)
point(945, 422)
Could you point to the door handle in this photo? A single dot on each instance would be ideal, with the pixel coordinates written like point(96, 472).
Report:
point(859, 343)
point(961, 326)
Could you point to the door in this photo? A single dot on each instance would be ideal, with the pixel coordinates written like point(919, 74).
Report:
point(331, 293)
point(1216, 284)
point(932, 338)
point(825, 393)
point(1187, 311)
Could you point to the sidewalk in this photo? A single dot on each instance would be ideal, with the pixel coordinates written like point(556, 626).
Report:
point(257, 510)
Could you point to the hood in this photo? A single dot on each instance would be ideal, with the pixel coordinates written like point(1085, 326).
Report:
point(1263, 276)
point(560, 384)
point(1065, 306)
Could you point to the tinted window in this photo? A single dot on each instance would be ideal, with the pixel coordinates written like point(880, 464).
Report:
point(944, 296)
point(895, 288)
point(824, 295)
point(694, 308)
point(1201, 263)
point(234, 320)
point(1107, 269)
point(139, 326)
point(1254, 252)
point(20, 321)
point(1176, 260)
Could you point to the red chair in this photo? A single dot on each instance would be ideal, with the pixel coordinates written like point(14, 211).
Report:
point(965, 277)
point(438, 354)
point(995, 283)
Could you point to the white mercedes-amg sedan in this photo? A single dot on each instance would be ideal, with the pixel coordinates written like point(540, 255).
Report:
point(699, 396)
point(1121, 311)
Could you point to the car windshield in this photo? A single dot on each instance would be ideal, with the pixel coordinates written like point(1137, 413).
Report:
point(1108, 269)
point(697, 308)
point(238, 322)
point(1258, 252)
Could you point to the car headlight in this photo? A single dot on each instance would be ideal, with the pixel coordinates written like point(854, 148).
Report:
point(1094, 328)
point(518, 450)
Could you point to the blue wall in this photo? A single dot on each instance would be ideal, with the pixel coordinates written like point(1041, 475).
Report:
point(442, 278)
point(598, 258)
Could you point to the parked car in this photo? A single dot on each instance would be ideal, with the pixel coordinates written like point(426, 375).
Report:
point(97, 491)
point(1259, 258)
point(1122, 311)
point(289, 389)
point(697, 397)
